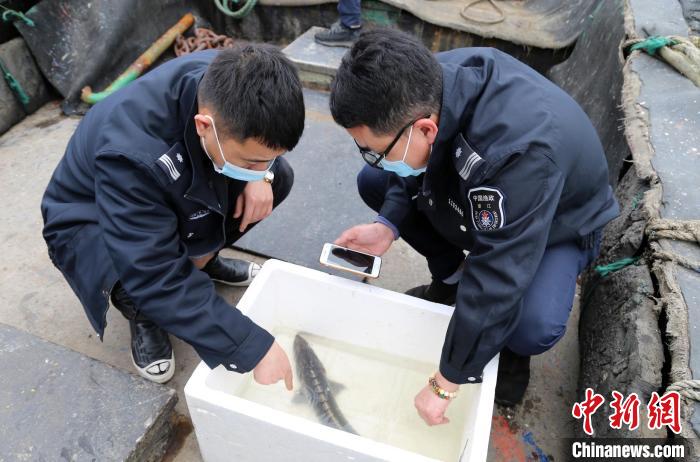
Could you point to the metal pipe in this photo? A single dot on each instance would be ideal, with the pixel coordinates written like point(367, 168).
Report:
point(142, 63)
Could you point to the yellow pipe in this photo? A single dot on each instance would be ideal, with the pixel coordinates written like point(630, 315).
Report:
point(142, 63)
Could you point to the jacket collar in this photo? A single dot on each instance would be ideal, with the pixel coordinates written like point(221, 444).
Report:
point(207, 186)
point(460, 91)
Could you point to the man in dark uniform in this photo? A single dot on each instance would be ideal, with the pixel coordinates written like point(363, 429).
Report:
point(156, 180)
point(471, 150)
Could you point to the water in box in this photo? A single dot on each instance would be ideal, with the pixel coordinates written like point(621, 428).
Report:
point(376, 396)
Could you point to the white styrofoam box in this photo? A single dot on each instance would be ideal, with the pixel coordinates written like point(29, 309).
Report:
point(229, 427)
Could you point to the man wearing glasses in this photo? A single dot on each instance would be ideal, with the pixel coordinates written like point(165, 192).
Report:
point(156, 180)
point(471, 150)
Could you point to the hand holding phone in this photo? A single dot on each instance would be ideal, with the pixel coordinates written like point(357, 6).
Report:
point(345, 259)
point(374, 239)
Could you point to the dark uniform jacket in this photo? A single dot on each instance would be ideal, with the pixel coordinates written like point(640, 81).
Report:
point(517, 166)
point(133, 198)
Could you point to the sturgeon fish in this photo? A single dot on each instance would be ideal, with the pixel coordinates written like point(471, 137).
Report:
point(317, 387)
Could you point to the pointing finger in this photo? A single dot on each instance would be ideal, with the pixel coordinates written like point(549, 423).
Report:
point(239, 206)
point(248, 214)
point(288, 380)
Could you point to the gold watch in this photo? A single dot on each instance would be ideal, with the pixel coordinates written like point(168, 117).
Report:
point(269, 177)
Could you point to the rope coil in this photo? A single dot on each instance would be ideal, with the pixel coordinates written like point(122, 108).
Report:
point(10, 15)
point(682, 53)
point(501, 16)
point(679, 230)
point(684, 230)
point(687, 388)
point(243, 11)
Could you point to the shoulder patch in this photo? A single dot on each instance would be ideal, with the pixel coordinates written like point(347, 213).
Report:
point(167, 164)
point(170, 165)
point(486, 206)
point(472, 161)
point(465, 158)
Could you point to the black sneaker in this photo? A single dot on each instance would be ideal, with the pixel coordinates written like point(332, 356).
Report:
point(338, 35)
point(437, 291)
point(151, 351)
point(513, 377)
point(231, 271)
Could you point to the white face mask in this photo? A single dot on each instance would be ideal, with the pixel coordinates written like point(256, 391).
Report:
point(233, 171)
point(400, 167)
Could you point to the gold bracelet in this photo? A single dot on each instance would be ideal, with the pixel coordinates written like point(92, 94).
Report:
point(440, 392)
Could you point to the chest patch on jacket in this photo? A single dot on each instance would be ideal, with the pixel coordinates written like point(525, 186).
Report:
point(486, 206)
point(199, 214)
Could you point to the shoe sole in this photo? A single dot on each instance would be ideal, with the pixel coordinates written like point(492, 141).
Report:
point(506, 403)
point(446, 302)
point(245, 283)
point(335, 44)
point(156, 378)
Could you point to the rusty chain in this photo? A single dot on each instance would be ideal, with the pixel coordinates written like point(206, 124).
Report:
point(203, 39)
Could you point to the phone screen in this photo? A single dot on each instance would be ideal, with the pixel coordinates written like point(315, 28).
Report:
point(351, 259)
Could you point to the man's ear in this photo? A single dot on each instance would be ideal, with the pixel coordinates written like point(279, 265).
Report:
point(202, 124)
point(428, 128)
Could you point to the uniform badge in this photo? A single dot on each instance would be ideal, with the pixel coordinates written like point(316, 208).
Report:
point(486, 208)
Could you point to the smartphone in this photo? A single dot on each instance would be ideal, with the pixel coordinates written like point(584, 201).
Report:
point(359, 263)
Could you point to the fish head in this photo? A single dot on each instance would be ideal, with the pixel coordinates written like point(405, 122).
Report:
point(301, 347)
point(305, 358)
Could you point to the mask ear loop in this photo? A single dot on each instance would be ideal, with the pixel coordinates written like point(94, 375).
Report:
point(216, 135)
point(405, 152)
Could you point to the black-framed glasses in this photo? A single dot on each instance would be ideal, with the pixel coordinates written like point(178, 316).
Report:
point(374, 158)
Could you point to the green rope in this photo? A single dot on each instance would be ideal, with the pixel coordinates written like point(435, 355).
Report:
point(14, 85)
point(243, 11)
point(652, 44)
point(11, 15)
point(604, 270)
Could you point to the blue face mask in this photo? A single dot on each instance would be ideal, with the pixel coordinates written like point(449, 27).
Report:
point(233, 171)
point(400, 167)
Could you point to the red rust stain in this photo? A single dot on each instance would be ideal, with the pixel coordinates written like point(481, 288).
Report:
point(506, 443)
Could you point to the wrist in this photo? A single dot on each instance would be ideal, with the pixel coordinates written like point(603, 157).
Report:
point(440, 392)
point(385, 231)
point(445, 384)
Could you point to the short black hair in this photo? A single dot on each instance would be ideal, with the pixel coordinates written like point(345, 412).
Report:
point(386, 79)
point(256, 93)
